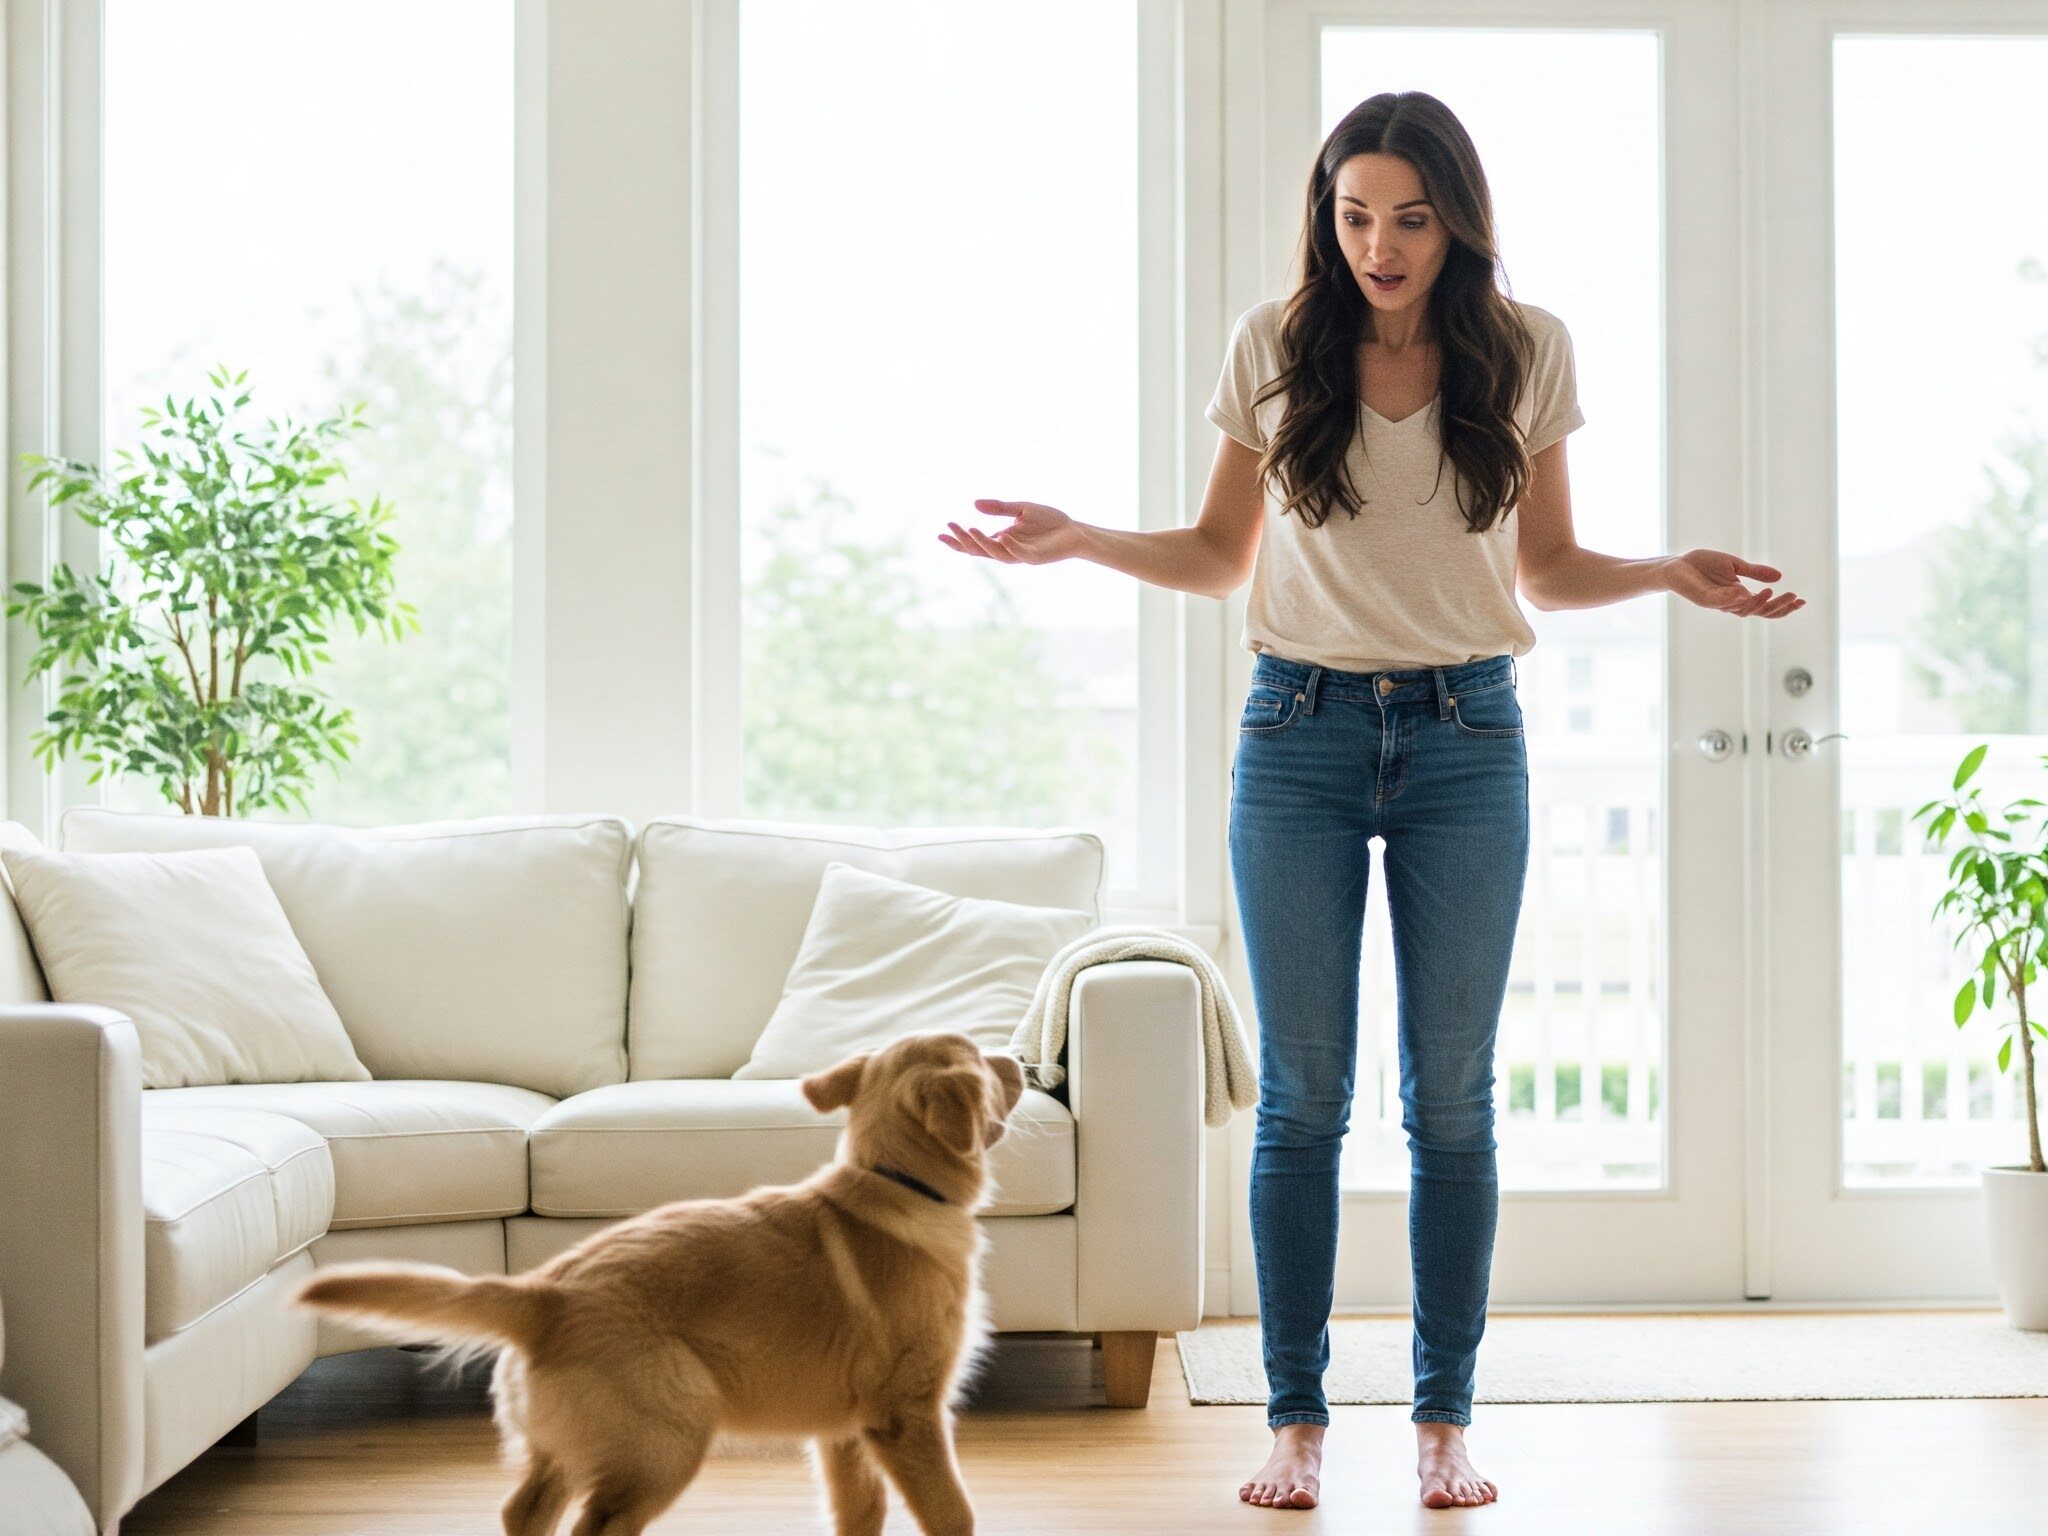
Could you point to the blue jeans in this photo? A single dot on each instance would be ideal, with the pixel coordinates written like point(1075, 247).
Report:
point(1432, 761)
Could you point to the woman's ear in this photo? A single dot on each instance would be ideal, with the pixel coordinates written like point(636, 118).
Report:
point(830, 1089)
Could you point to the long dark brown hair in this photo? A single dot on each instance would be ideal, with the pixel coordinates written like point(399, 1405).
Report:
point(1484, 343)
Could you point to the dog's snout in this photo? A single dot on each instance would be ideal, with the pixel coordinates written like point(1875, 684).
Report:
point(1009, 1076)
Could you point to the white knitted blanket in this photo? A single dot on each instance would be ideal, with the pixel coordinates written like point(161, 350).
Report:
point(1228, 1079)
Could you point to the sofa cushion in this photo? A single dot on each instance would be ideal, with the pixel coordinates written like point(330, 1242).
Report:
point(143, 932)
point(720, 907)
point(40, 1499)
point(885, 958)
point(21, 974)
point(491, 950)
point(226, 1193)
point(621, 1150)
point(404, 1152)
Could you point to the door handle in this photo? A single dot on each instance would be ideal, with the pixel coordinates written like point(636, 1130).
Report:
point(1715, 745)
point(1799, 744)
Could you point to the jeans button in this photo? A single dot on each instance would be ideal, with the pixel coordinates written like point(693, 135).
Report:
point(1386, 685)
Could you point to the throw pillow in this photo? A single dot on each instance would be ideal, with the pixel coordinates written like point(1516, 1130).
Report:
point(883, 958)
point(195, 949)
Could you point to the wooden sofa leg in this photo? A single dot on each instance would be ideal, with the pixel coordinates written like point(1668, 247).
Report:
point(243, 1434)
point(1127, 1367)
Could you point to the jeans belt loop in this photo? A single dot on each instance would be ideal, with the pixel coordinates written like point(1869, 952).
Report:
point(1315, 675)
point(1514, 673)
point(1443, 707)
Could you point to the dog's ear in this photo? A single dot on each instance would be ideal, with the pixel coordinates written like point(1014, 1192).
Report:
point(952, 1106)
point(829, 1089)
point(1010, 1073)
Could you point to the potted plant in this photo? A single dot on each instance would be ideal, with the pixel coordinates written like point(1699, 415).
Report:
point(235, 558)
point(2000, 892)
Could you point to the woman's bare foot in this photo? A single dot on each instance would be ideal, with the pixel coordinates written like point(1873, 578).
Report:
point(1447, 1476)
point(1290, 1478)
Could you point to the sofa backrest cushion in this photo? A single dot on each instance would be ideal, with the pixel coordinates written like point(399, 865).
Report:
point(21, 975)
point(487, 950)
point(720, 908)
point(192, 945)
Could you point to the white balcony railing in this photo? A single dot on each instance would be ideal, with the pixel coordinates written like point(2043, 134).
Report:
point(1922, 1102)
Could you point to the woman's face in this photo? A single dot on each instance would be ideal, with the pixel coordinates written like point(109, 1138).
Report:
point(1386, 227)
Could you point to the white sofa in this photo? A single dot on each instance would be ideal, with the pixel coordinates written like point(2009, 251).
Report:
point(551, 1009)
point(36, 1498)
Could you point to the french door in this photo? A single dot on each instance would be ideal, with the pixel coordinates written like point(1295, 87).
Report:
point(1907, 465)
point(1725, 1067)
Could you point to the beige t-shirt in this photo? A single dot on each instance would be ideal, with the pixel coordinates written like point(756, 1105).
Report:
point(1406, 583)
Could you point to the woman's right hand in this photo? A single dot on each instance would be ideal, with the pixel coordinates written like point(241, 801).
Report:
point(1036, 535)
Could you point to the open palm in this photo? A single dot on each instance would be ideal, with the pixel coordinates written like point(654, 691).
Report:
point(1036, 534)
point(1713, 579)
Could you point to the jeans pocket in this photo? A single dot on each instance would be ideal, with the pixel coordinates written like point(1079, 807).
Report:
point(1268, 707)
point(1493, 712)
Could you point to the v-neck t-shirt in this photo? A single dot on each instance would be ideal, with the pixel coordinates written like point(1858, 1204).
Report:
point(1406, 583)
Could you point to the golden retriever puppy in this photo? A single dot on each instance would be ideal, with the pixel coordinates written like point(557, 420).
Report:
point(846, 1308)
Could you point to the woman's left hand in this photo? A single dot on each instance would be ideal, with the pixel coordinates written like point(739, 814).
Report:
point(1713, 579)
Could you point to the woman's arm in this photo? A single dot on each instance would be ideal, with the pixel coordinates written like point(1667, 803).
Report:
point(1554, 572)
point(1211, 559)
point(1585, 578)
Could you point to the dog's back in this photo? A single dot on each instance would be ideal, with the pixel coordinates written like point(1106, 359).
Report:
point(846, 1307)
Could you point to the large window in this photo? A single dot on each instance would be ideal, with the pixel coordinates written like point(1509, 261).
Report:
point(322, 196)
point(938, 302)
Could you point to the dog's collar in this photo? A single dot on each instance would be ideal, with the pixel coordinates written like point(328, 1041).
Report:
point(909, 1182)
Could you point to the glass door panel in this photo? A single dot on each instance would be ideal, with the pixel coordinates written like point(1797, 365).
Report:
point(1619, 1069)
point(1577, 208)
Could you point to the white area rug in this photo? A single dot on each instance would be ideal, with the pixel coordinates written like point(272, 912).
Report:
point(1660, 1358)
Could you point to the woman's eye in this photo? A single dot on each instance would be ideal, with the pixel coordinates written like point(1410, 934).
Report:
point(1413, 223)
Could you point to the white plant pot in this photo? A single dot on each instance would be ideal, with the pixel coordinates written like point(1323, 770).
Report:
point(2016, 1217)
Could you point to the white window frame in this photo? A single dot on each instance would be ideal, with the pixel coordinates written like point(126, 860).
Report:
point(625, 694)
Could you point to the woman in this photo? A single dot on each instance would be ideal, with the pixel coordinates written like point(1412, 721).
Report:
point(1392, 465)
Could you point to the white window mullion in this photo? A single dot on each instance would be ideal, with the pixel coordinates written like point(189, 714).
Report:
point(529, 404)
point(616, 590)
point(1205, 632)
point(54, 347)
point(715, 682)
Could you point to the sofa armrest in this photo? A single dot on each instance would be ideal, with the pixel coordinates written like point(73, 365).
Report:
point(71, 1241)
point(1134, 1085)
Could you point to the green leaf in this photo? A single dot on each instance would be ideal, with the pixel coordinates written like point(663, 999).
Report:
point(2005, 1054)
point(1966, 999)
point(1969, 764)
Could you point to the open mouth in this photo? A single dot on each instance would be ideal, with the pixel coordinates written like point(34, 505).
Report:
point(1386, 284)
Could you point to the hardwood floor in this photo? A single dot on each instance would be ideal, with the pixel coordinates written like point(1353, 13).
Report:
point(370, 1445)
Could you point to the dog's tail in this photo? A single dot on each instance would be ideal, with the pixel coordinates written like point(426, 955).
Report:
point(436, 1302)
